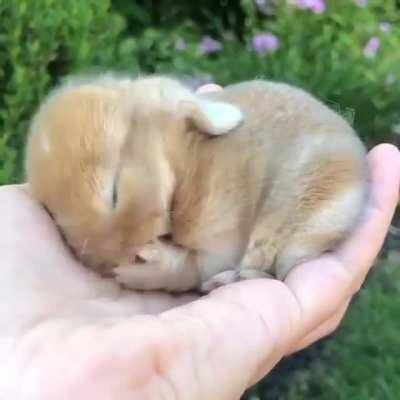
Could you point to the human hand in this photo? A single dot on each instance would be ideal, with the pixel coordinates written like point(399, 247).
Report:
point(65, 333)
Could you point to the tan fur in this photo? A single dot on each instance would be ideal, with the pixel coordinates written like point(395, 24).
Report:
point(286, 185)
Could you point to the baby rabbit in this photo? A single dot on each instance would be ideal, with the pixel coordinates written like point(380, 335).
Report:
point(165, 189)
point(98, 160)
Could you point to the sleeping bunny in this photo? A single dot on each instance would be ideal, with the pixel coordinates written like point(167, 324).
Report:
point(163, 188)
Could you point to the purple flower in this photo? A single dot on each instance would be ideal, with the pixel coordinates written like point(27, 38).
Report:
point(372, 47)
point(385, 27)
point(209, 45)
point(361, 3)
point(316, 6)
point(265, 43)
point(180, 44)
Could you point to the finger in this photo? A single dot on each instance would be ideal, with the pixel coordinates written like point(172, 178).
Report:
point(321, 285)
point(210, 87)
point(325, 329)
point(385, 175)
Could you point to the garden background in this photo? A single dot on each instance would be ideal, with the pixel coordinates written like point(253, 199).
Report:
point(346, 52)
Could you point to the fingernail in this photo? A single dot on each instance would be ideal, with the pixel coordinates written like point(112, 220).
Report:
point(210, 87)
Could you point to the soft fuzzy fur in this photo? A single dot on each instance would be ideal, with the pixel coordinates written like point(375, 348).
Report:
point(244, 182)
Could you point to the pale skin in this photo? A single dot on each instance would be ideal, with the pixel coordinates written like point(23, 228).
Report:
point(65, 333)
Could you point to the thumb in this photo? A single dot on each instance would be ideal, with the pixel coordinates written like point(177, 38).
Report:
point(237, 333)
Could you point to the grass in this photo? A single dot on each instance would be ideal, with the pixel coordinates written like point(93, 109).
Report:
point(360, 362)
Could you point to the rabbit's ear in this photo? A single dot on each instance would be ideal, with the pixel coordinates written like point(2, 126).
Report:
point(211, 117)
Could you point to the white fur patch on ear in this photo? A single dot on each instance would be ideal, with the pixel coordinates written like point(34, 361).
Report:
point(221, 117)
point(211, 117)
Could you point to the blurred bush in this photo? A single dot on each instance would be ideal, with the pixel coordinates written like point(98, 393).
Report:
point(343, 51)
point(41, 40)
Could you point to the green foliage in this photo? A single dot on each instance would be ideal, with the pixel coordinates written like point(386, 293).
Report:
point(360, 362)
point(41, 40)
point(323, 53)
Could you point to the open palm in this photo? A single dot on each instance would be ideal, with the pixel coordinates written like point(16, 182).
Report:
point(66, 333)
